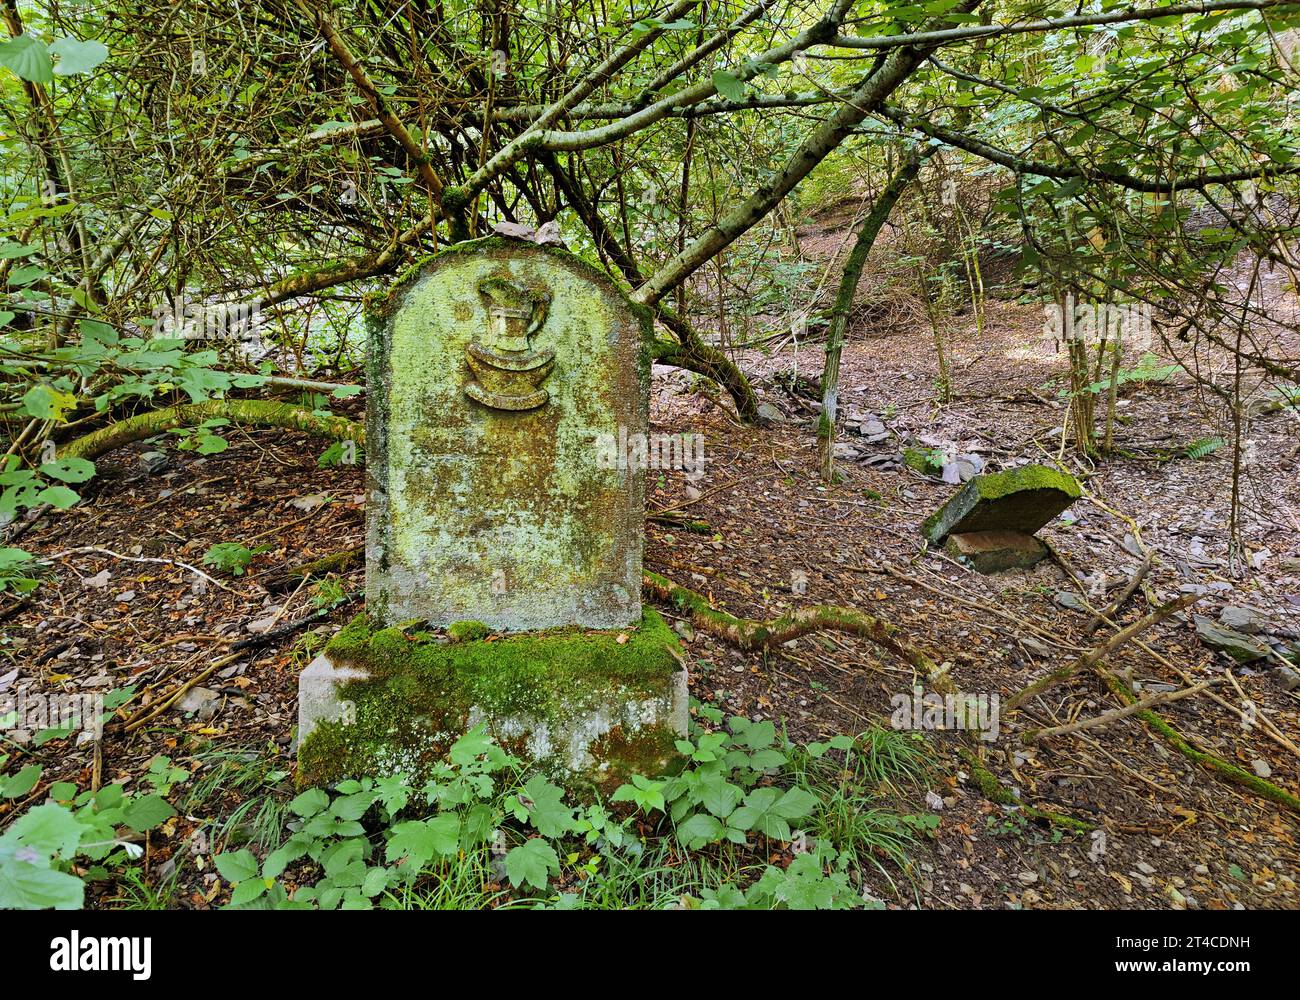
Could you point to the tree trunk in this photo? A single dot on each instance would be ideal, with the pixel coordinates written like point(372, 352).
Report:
point(866, 237)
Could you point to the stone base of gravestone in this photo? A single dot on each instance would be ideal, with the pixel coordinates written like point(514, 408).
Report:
point(995, 551)
point(1021, 500)
point(587, 708)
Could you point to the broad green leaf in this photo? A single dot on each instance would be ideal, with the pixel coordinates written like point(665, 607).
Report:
point(698, 830)
point(48, 829)
point(728, 86)
point(58, 496)
point(13, 786)
point(76, 56)
point(47, 403)
point(69, 470)
point(531, 862)
point(310, 802)
point(545, 808)
point(236, 866)
point(27, 57)
point(146, 812)
point(25, 885)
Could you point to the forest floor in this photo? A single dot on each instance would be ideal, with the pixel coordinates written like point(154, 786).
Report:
point(1175, 835)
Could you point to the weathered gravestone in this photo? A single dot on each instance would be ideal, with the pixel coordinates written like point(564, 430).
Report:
point(990, 522)
point(503, 562)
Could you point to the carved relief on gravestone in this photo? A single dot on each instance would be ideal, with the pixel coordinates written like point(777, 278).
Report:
point(494, 371)
point(507, 372)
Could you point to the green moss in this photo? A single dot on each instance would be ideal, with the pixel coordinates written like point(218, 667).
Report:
point(922, 461)
point(421, 693)
point(467, 631)
point(1027, 477)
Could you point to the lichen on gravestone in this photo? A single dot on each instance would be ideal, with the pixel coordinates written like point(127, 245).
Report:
point(494, 370)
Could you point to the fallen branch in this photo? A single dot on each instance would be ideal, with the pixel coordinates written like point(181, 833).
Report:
point(1114, 715)
point(140, 559)
point(1135, 581)
point(749, 634)
point(257, 412)
point(1098, 653)
point(1234, 774)
point(335, 562)
point(995, 791)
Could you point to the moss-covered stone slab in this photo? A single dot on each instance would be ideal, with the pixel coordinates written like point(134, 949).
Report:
point(995, 551)
point(1242, 648)
point(494, 369)
point(1022, 500)
point(588, 708)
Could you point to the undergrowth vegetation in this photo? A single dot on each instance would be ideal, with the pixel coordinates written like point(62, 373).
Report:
point(750, 821)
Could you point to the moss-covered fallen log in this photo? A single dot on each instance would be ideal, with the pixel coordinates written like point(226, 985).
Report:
point(1221, 767)
point(749, 634)
point(251, 412)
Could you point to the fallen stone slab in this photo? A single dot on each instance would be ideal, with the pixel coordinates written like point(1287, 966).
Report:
point(995, 551)
point(1020, 500)
point(1239, 646)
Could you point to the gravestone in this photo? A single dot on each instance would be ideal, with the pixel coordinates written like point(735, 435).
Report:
point(503, 556)
point(990, 522)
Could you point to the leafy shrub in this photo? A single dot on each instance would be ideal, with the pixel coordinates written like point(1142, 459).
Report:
point(38, 850)
point(478, 825)
point(231, 557)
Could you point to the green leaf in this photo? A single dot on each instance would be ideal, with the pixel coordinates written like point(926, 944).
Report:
point(767, 810)
point(699, 830)
point(310, 802)
point(375, 881)
point(27, 57)
point(76, 56)
point(146, 812)
point(25, 885)
point(284, 855)
point(247, 891)
point(69, 470)
point(420, 840)
point(49, 829)
point(544, 806)
point(46, 403)
point(728, 86)
point(17, 785)
point(236, 866)
point(531, 862)
point(719, 796)
point(471, 746)
point(58, 496)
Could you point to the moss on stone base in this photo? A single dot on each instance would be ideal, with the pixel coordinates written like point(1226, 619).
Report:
point(584, 706)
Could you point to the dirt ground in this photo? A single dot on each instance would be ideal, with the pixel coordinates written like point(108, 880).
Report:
point(1171, 833)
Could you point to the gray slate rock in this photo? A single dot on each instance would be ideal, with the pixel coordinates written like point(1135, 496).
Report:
point(153, 462)
point(1239, 646)
point(1022, 500)
point(1241, 619)
point(769, 414)
point(1288, 676)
